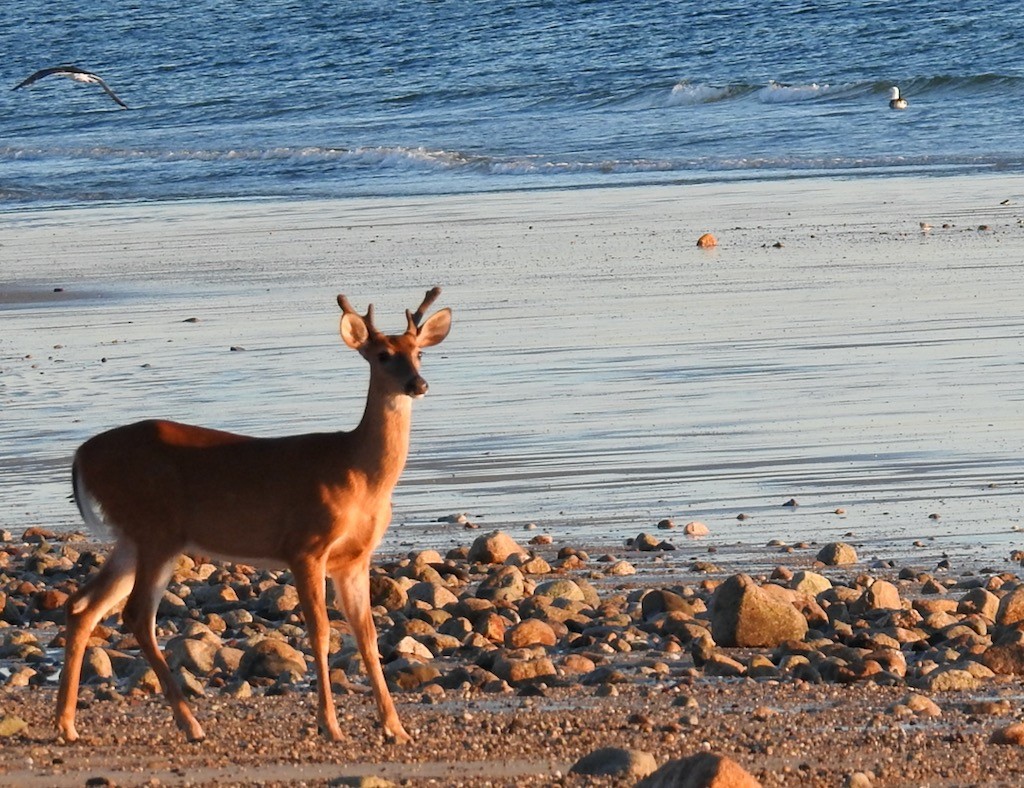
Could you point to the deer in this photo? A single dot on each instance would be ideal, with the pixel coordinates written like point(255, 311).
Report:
point(317, 503)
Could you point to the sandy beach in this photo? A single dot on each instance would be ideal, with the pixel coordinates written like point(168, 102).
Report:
point(850, 347)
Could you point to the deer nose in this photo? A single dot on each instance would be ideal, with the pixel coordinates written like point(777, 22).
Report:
point(416, 387)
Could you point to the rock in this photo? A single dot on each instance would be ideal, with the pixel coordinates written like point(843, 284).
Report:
point(562, 588)
point(837, 554)
point(269, 658)
point(195, 654)
point(661, 600)
point(880, 595)
point(363, 782)
point(918, 705)
point(743, 614)
point(981, 602)
point(530, 632)
point(535, 566)
point(620, 569)
point(278, 602)
point(722, 665)
point(707, 241)
point(648, 544)
point(410, 648)
point(491, 626)
point(810, 583)
point(408, 674)
point(616, 762)
point(493, 548)
point(96, 665)
point(189, 684)
point(506, 584)
point(696, 528)
point(387, 593)
point(1011, 734)
point(11, 725)
point(1011, 608)
point(577, 664)
point(1004, 658)
point(703, 770)
point(436, 595)
point(948, 679)
point(518, 670)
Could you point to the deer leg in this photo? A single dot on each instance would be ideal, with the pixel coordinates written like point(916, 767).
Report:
point(352, 584)
point(140, 617)
point(85, 608)
point(309, 582)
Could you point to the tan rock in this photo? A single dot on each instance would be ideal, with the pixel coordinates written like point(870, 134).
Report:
point(493, 548)
point(530, 632)
point(810, 583)
point(880, 595)
point(743, 614)
point(1011, 608)
point(269, 658)
point(704, 770)
point(837, 554)
point(518, 670)
point(707, 241)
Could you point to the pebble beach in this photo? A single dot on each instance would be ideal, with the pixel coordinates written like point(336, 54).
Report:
point(840, 370)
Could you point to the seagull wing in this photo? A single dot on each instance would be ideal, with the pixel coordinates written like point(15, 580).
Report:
point(45, 72)
point(109, 92)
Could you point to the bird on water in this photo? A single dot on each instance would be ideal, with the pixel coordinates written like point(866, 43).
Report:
point(895, 101)
point(74, 73)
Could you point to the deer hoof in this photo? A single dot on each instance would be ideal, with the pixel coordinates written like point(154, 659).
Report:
point(397, 734)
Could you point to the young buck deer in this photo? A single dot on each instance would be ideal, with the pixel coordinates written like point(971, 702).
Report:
point(318, 503)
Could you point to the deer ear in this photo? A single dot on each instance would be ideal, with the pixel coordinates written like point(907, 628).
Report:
point(354, 330)
point(435, 328)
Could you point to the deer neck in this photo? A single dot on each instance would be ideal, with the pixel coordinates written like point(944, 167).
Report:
point(383, 434)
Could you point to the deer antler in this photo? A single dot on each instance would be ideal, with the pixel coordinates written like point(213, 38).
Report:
point(414, 318)
point(346, 307)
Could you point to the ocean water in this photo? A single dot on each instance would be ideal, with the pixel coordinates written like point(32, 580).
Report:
point(317, 99)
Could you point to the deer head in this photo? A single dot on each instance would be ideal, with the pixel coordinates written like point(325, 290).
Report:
point(395, 358)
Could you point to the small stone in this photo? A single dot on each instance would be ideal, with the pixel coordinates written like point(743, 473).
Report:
point(696, 528)
point(707, 241)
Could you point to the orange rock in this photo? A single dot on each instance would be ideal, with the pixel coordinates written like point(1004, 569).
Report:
point(1012, 734)
point(706, 241)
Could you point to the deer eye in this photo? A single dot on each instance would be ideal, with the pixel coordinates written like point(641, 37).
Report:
point(419, 354)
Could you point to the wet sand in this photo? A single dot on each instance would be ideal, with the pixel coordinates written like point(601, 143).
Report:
point(603, 373)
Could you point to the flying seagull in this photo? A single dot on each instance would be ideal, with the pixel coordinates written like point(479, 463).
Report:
point(75, 73)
